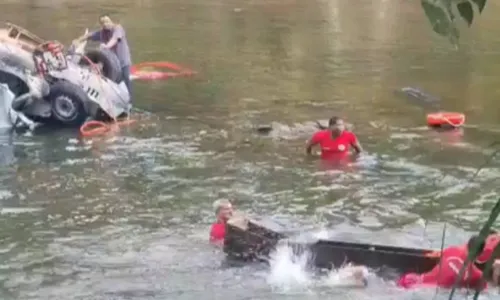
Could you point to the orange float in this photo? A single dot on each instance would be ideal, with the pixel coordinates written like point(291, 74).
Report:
point(158, 70)
point(453, 119)
point(95, 128)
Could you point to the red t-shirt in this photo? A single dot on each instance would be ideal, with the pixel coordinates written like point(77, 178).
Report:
point(332, 148)
point(217, 232)
point(446, 272)
point(489, 245)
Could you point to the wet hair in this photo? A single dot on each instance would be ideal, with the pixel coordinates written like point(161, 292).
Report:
point(333, 120)
point(474, 242)
point(217, 205)
point(104, 16)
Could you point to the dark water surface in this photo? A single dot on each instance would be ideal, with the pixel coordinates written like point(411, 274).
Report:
point(126, 217)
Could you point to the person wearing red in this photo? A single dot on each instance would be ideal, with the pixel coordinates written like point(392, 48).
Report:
point(223, 211)
point(490, 243)
point(335, 141)
point(446, 272)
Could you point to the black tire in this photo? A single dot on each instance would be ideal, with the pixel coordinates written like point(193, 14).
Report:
point(68, 102)
point(111, 67)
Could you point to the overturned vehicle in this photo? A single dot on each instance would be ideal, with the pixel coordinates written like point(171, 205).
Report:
point(65, 88)
point(251, 240)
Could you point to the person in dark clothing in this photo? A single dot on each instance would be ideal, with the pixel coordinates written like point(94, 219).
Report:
point(112, 36)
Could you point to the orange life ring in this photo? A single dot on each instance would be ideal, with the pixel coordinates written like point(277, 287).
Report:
point(174, 70)
point(445, 118)
point(95, 128)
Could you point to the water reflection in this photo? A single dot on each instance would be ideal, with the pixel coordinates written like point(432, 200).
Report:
point(7, 148)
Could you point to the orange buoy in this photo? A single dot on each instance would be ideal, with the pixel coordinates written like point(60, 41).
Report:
point(95, 128)
point(171, 70)
point(445, 118)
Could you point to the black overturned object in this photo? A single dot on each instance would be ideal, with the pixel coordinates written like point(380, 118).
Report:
point(267, 128)
point(247, 240)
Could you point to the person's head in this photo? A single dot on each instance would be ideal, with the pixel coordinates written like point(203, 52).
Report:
point(106, 22)
point(336, 125)
point(474, 242)
point(223, 209)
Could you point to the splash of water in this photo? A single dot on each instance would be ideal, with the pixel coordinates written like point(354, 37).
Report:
point(347, 276)
point(288, 271)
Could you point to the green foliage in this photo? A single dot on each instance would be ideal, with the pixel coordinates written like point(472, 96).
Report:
point(442, 15)
point(485, 231)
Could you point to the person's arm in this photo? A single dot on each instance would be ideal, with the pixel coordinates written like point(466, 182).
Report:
point(93, 36)
point(316, 138)
point(356, 145)
point(433, 275)
point(477, 281)
point(216, 236)
point(440, 270)
point(496, 272)
point(118, 34)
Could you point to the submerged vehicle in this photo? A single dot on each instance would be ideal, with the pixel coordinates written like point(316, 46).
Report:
point(8, 116)
point(62, 87)
point(248, 240)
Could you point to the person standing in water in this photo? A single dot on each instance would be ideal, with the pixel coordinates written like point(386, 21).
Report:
point(112, 36)
point(223, 212)
point(335, 141)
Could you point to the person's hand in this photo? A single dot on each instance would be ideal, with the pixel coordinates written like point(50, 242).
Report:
point(103, 46)
point(496, 271)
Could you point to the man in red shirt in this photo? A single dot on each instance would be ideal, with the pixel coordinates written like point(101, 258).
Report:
point(490, 243)
point(447, 270)
point(335, 142)
point(223, 211)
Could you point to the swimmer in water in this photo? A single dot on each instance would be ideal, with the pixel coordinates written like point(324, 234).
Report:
point(357, 274)
point(223, 212)
point(335, 141)
point(446, 272)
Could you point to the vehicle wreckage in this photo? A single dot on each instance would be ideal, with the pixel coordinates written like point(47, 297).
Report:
point(52, 86)
point(250, 240)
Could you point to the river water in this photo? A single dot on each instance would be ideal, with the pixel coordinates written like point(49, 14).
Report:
point(126, 216)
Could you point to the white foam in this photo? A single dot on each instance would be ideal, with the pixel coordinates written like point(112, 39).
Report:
point(289, 273)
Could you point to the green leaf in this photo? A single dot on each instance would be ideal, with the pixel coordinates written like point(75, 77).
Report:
point(466, 11)
point(454, 36)
point(487, 267)
point(480, 4)
point(495, 211)
point(438, 17)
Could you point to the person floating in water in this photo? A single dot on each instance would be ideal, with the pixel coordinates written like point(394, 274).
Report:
point(223, 212)
point(112, 36)
point(335, 141)
point(490, 244)
point(446, 272)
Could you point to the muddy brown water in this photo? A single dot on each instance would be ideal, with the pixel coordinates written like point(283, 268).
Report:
point(126, 217)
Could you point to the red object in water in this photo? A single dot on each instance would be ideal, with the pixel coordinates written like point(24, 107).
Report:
point(446, 118)
point(171, 70)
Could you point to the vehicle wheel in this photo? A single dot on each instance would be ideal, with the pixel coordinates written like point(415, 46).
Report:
point(111, 67)
point(67, 102)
